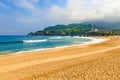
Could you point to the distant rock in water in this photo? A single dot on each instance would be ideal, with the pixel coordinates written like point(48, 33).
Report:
point(31, 34)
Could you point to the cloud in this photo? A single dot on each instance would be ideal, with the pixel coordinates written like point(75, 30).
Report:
point(85, 10)
point(34, 13)
point(37, 14)
point(25, 4)
point(74, 11)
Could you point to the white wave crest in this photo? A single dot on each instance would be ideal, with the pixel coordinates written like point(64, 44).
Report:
point(55, 37)
point(33, 41)
point(76, 37)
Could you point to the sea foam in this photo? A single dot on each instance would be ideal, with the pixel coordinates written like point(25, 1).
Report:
point(33, 41)
point(55, 37)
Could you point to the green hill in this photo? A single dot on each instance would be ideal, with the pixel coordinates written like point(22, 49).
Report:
point(75, 30)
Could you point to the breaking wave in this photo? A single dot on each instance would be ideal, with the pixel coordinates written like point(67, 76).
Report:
point(34, 41)
point(55, 37)
point(23, 41)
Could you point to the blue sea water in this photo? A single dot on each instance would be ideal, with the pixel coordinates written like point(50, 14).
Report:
point(12, 44)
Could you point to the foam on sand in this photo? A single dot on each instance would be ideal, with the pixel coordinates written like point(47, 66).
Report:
point(95, 40)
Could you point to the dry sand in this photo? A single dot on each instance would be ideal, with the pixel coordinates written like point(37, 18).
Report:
point(100, 61)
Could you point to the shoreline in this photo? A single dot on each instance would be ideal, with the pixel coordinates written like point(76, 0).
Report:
point(93, 40)
point(91, 60)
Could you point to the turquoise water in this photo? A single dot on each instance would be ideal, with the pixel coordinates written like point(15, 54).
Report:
point(11, 44)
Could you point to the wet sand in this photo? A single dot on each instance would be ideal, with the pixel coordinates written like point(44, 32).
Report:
point(100, 61)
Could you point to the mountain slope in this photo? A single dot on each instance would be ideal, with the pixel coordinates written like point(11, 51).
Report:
point(106, 25)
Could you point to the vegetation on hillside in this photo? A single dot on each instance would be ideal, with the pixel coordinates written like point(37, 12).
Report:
point(75, 30)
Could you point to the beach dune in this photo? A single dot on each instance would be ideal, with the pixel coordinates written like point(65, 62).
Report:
point(98, 61)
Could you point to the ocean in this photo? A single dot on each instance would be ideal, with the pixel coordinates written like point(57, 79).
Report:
point(13, 44)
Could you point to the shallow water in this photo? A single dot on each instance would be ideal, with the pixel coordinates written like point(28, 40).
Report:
point(11, 44)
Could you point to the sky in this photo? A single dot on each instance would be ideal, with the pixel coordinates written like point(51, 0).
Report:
point(19, 17)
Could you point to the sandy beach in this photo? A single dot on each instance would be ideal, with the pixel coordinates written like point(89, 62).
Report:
point(97, 61)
